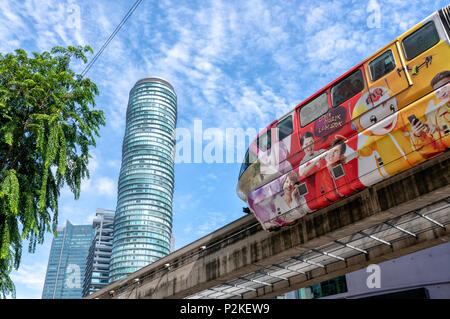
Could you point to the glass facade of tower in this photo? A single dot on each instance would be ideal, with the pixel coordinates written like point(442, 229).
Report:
point(67, 262)
point(97, 265)
point(143, 220)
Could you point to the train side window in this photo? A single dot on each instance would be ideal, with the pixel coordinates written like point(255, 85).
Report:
point(244, 165)
point(314, 109)
point(382, 65)
point(347, 88)
point(420, 40)
point(302, 189)
point(249, 159)
point(285, 128)
point(264, 142)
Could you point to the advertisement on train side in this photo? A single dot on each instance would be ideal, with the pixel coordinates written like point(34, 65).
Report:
point(382, 117)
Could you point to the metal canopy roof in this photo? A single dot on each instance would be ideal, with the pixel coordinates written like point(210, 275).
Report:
point(407, 225)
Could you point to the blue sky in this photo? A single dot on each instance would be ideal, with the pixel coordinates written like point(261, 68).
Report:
point(232, 63)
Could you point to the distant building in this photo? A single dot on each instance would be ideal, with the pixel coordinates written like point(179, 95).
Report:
point(420, 275)
point(97, 264)
point(67, 262)
point(143, 220)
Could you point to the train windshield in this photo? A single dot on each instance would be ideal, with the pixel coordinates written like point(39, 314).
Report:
point(250, 158)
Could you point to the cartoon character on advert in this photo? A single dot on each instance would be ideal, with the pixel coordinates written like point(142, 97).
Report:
point(387, 141)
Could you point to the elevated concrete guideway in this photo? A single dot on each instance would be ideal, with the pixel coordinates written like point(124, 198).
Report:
point(398, 216)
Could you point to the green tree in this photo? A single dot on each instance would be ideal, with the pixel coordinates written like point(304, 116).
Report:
point(47, 124)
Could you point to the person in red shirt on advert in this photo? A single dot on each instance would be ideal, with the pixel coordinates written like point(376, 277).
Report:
point(321, 168)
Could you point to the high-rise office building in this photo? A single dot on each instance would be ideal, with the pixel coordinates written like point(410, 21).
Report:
point(67, 262)
point(97, 265)
point(143, 220)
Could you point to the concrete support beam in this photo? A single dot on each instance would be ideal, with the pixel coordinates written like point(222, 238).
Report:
point(379, 254)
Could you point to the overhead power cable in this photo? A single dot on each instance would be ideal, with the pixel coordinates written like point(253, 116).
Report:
point(111, 37)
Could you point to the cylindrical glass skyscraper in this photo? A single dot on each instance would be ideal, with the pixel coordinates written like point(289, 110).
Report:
point(143, 220)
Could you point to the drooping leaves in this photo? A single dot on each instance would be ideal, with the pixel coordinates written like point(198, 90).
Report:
point(47, 124)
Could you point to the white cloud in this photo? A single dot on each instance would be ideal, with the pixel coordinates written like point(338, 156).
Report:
point(106, 186)
point(93, 163)
point(210, 222)
point(85, 185)
point(114, 164)
point(31, 276)
point(185, 203)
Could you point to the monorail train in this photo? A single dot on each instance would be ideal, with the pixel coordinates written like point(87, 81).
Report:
point(384, 116)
